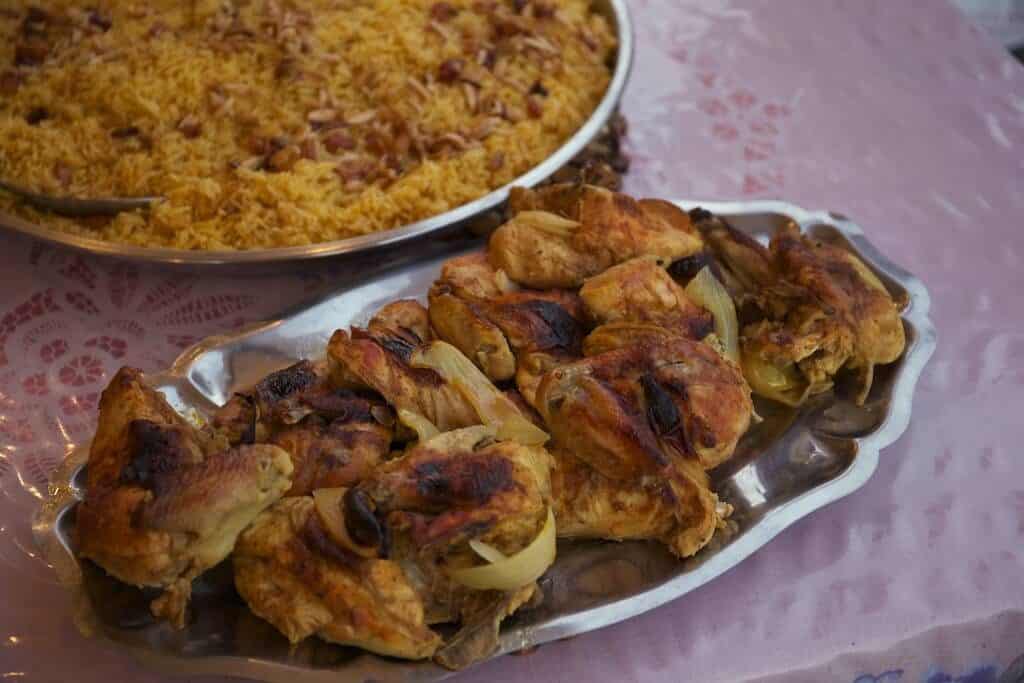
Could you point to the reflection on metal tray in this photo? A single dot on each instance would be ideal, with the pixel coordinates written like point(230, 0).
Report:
point(785, 468)
point(477, 210)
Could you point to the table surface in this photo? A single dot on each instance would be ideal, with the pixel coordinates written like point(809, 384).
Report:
point(900, 114)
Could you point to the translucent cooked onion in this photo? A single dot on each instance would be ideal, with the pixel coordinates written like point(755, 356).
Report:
point(491, 406)
point(548, 222)
point(328, 504)
point(706, 291)
point(507, 573)
point(784, 385)
point(423, 427)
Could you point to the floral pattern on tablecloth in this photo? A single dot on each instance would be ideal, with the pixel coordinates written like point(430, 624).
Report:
point(67, 332)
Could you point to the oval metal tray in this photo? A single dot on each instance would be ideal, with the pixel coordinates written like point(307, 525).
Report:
point(617, 13)
point(785, 468)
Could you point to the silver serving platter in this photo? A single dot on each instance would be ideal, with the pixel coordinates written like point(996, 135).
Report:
point(785, 468)
point(617, 13)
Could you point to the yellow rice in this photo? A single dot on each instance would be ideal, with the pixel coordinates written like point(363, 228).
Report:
point(120, 88)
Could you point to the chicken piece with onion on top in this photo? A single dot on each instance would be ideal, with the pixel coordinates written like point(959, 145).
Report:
point(811, 310)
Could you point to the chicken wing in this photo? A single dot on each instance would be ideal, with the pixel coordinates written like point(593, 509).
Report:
point(817, 310)
point(163, 503)
point(632, 411)
point(676, 508)
point(562, 234)
point(290, 572)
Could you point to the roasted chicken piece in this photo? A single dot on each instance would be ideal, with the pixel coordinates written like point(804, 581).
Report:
point(164, 501)
point(291, 572)
point(612, 336)
point(676, 507)
point(472, 276)
point(632, 411)
point(641, 291)
point(520, 334)
point(458, 486)
point(405, 319)
point(335, 452)
point(334, 436)
point(562, 234)
point(817, 309)
point(283, 397)
point(461, 485)
point(465, 324)
point(380, 361)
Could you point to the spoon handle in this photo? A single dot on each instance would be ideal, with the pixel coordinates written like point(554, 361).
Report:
point(71, 206)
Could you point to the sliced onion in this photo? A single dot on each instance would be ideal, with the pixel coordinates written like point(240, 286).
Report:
point(487, 551)
point(784, 385)
point(328, 504)
point(706, 291)
point(492, 407)
point(423, 427)
point(514, 571)
point(550, 223)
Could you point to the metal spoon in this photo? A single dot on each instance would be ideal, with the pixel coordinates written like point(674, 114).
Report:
point(71, 206)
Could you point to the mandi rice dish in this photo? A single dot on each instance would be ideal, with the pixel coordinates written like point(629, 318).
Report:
point(267, 123)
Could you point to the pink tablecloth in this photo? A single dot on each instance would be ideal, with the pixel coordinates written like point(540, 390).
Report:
point(898, 113)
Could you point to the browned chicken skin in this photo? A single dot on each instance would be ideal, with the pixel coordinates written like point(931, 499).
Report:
point(631, 411)
point(507, 334)
point(453, 488)
point(819, 310)
point(405, 319)
point(380, 362)
point(562, 234)
point(460, 485)
point(676, 508)
point(334, 436)
point(164, 502)
point(641, 291)
point(339, 452)
point(290, 572)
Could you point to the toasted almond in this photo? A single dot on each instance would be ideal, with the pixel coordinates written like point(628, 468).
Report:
point(252, 163)
point(539, 43)
point(418, 87)
point(322, 116)
point(469, 92)
point(450, 69)
point(440, 30)
point(360, 118)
